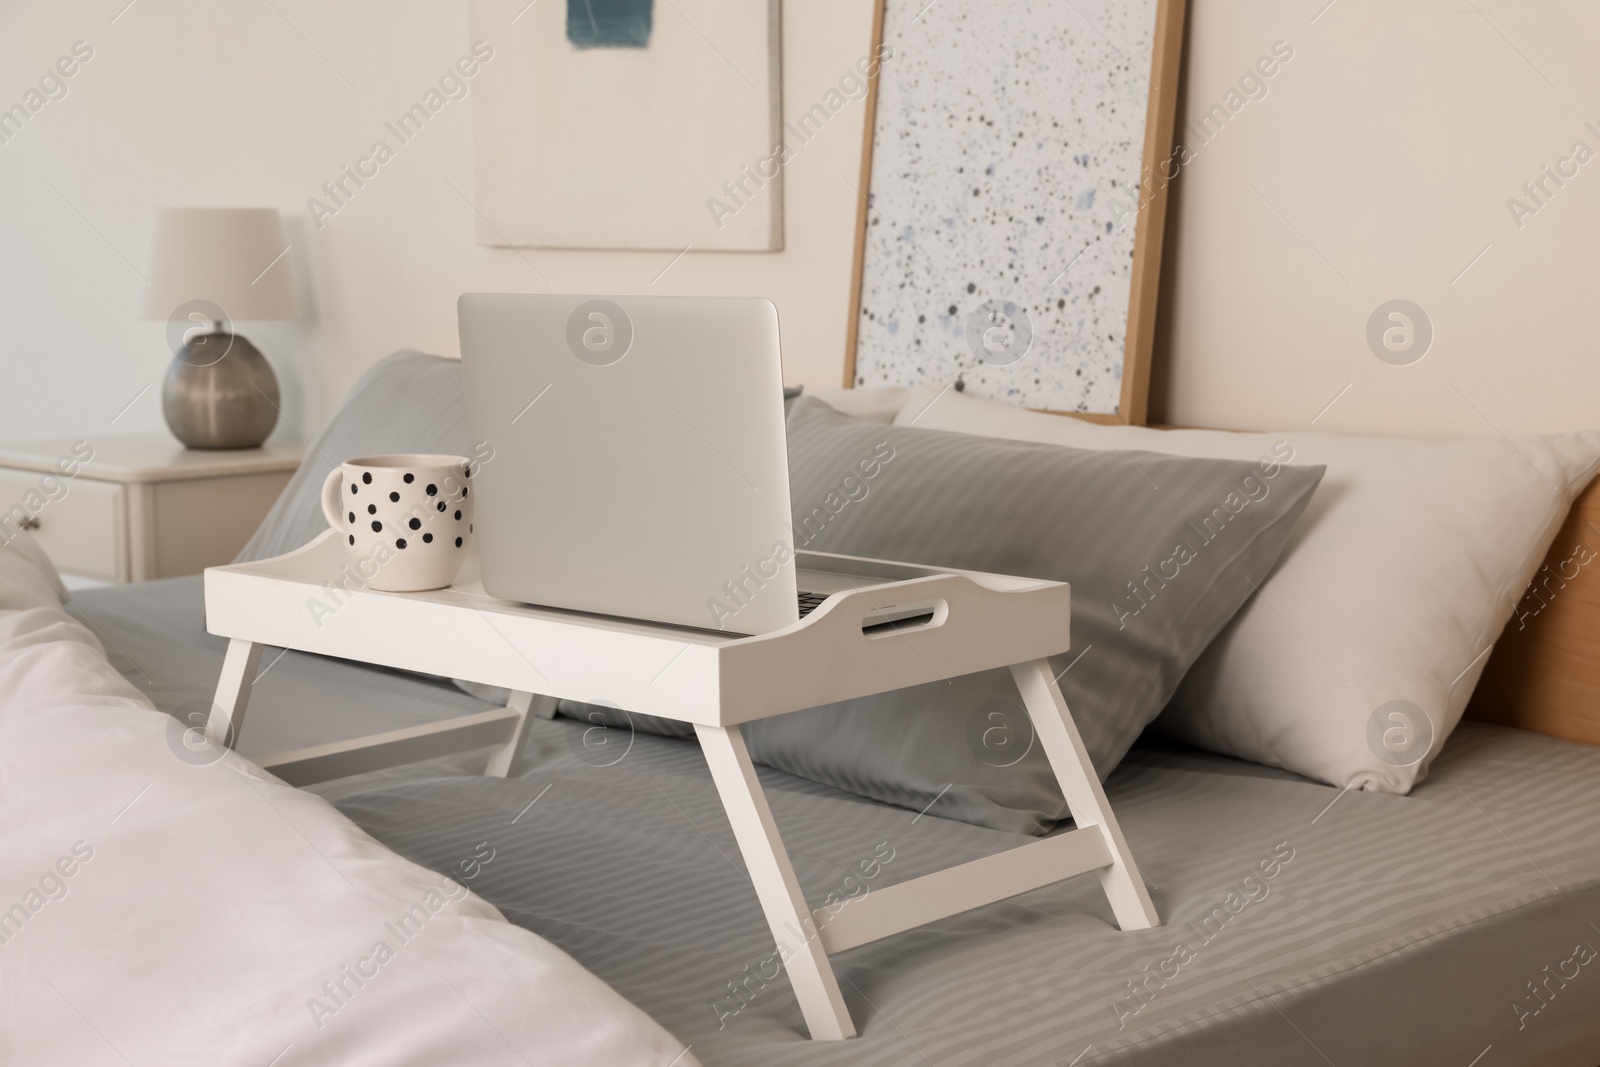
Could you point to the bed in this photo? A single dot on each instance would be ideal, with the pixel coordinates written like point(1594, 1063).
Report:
point(1302, 923)
point(1392, 930)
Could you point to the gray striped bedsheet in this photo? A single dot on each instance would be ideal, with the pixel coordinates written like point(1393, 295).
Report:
point(1302, 925)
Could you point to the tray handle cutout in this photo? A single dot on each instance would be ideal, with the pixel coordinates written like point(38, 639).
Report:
point(891, 620)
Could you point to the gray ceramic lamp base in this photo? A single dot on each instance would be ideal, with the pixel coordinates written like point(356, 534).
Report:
point(220, 392)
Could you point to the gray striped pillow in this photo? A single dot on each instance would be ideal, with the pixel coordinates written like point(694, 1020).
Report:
point(1161, 552)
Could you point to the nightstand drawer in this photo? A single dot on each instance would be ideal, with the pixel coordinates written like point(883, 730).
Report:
point(82, 529)
point(141, 506)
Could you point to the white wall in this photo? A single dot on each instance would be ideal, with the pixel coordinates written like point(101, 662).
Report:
point(205, 103)
point(1387, 148)
point(1390, 145)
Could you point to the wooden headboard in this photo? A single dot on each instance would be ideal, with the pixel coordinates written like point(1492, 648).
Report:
point(1544, 673)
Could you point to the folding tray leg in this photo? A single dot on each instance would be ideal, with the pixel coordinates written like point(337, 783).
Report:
point(233, 692)
point(789, 918)
point(1123, 885)
point(504, 760)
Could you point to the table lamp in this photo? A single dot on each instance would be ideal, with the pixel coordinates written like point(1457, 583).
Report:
point(208, 268)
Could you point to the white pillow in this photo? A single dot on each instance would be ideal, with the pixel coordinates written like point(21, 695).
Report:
point(873, 403)
point(1355, 660)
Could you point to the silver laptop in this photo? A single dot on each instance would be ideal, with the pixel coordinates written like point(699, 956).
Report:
point(636, 463)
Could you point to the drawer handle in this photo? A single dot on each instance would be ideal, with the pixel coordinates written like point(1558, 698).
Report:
point(29, 523)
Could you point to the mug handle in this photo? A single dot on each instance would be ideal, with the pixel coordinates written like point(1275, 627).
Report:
point(330, 497)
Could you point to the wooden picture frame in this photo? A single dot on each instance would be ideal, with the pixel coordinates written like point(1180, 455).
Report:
point(1155, 178)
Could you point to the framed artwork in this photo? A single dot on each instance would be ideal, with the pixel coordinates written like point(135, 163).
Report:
point(1013, 196)
point(644, 124)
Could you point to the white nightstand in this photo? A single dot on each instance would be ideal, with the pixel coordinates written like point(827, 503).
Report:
point(135, 507)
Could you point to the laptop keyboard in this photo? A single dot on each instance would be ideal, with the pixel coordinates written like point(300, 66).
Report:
point(809, 602)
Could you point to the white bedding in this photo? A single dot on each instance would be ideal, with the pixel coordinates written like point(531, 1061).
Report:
point(154, 911)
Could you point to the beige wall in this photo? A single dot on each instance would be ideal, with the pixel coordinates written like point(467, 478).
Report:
point(195, 102)
point(1385, 152)
point(1381, 160)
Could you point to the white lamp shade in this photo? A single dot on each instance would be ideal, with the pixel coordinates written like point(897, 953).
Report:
point(229, 256)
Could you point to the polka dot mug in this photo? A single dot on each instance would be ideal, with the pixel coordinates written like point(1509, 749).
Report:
point(405, 520)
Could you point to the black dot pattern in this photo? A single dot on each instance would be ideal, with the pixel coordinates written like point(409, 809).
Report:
point(414, 521)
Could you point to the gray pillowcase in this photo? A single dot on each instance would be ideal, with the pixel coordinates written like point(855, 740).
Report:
point(1091, 518)
point(1110, 523)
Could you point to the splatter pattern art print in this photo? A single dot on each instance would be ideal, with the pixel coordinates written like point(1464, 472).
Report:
point(1004, 198)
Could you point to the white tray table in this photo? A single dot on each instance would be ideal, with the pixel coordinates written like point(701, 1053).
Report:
point(973, 622)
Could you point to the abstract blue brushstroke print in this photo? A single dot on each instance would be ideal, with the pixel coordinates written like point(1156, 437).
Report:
point(609, 23)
